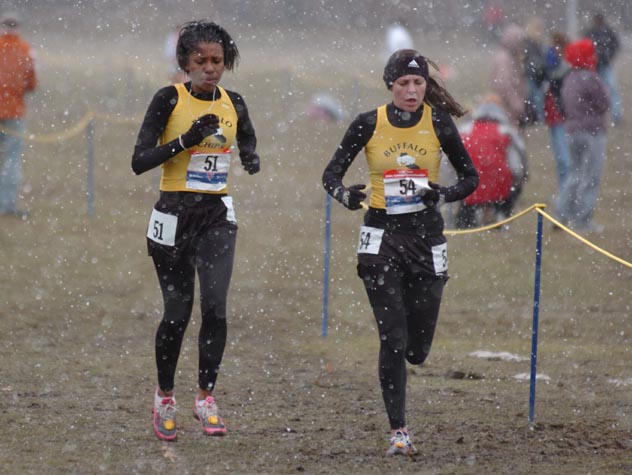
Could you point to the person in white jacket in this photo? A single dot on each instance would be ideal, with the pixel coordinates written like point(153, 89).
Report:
point(397, 37)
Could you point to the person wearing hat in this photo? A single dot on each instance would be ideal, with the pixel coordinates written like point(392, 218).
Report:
point(586, 103)
point(17, 78)
point(402, 251)
point(506, 77)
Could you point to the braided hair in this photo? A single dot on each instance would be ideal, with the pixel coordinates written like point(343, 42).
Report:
point(193, 33)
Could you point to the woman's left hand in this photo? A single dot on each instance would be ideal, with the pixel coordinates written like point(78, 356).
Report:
point(433, 197)
point(251, 163)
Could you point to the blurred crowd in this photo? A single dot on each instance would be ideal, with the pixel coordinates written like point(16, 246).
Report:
point(539, 76)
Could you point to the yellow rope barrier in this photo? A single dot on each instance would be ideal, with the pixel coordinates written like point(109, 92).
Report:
point(72, 131)
point(453, 232)
point(585, 241)
point(538, 208)
point(118, 120)
point(54, 137)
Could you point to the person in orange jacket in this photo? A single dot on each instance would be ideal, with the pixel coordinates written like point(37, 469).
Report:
point(17, 78)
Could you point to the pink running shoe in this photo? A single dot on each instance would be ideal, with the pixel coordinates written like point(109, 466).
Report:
point(165, 419)
point(206, 412)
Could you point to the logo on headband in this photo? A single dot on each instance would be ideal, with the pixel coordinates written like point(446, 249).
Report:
point(413, 64)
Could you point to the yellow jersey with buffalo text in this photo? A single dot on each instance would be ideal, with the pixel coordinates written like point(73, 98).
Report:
point(394, 148)
point(204, 167)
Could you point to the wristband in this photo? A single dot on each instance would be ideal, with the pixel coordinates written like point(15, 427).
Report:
point(180, 142)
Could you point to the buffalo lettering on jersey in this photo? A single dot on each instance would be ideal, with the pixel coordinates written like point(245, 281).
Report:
point(404, 146)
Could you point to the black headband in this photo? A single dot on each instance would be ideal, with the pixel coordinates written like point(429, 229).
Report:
point(404, 62)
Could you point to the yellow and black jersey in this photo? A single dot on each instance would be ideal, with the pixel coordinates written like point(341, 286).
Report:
point(170, 114)
point(394, 139)
point(186, 111)
point(393, 148)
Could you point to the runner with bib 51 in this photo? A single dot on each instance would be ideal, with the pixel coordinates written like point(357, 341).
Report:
point(192, 228)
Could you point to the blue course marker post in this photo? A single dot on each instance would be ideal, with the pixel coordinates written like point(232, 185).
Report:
point(534, 331)
point(326, 265)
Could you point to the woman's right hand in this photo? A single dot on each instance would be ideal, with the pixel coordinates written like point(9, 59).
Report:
point(351, 197)
point(202, 127)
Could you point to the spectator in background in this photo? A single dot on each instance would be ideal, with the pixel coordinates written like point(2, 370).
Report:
point(498, 154)
point(17, 78)
point(585, 101)
point(535, 75)
point(325, 107)
point(507, 78)
point(556, 69)
point(397, 37)
point(494, 20)
point(175, 73)
point(607, 46)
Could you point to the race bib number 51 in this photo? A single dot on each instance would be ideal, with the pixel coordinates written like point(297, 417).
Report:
point(208, 171)
point(162, 228)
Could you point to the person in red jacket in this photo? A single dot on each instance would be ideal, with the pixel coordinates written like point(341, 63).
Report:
point(17, 78)
point(498, 154)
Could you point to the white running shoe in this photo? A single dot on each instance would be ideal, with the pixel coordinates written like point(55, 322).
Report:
point(401, 445)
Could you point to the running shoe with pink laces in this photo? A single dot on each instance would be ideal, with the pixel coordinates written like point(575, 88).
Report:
point(207, 413)
point(165, 418)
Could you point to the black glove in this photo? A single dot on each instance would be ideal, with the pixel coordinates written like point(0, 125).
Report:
point(251, 163)
point(202, 127)
point(435, 196)
point(351, 197)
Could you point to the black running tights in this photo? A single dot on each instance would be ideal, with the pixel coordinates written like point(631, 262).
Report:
point(212, 257)
point(406, 309)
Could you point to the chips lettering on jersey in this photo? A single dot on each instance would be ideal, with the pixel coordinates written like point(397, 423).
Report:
point(208, 171)
point(402, 190)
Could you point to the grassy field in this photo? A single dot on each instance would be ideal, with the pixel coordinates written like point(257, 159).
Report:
point(81, 303)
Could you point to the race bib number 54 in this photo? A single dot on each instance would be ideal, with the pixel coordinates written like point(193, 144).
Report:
point(370, 240)
point(401, 190)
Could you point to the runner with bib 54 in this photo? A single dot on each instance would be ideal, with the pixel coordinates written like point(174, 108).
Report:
point(402, 251)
